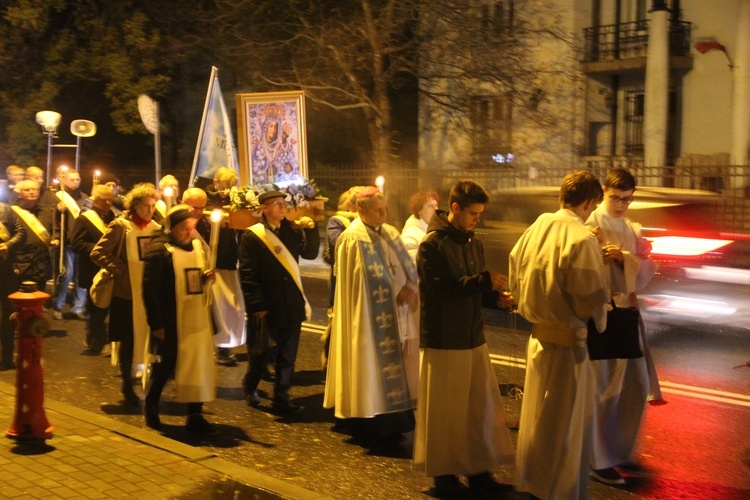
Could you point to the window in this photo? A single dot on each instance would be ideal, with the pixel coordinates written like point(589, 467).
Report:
point(634, 111)
point(491, 125)
point(497, 17)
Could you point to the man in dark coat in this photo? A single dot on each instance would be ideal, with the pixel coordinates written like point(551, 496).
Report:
point(270, 280)
point(88, 229)
point(32, 262)
point(12, 236)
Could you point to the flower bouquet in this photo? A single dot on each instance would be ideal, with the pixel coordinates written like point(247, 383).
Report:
point(302, 199)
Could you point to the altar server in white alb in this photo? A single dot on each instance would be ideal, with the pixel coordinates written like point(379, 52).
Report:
point(622, 385)
point(557, 277)
point(175, 275)
point(374, 355)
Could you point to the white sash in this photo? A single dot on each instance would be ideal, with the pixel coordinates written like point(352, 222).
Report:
point(69, 203)
point(285, 258)
point(34, 223)
point(136, 238)
point(195, 373)
point(96, 220)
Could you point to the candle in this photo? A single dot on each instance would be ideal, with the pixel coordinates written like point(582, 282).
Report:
point(96, 177)
point(216, 217)
point(168, 197)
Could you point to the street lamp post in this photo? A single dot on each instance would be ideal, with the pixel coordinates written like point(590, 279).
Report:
point(49, 120)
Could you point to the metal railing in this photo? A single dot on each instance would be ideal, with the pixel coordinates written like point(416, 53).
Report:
point(630, 40)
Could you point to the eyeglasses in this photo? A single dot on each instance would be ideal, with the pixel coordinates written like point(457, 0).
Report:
point(617, 199)
point(277, 204)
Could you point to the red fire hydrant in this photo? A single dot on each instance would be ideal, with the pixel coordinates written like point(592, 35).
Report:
point(30, 421)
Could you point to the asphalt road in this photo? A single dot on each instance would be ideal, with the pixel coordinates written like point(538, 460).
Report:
point(697, 446)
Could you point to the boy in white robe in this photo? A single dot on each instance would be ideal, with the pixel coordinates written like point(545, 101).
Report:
point(460, 419)
point(557, 277)
point(622, 385)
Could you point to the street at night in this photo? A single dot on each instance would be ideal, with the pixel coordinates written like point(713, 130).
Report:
point(696, 446)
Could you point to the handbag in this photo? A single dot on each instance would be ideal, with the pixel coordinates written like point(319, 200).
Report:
point(621, 339)
point(102, 288)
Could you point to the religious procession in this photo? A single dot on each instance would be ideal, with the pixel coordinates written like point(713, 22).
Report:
point(171, 281)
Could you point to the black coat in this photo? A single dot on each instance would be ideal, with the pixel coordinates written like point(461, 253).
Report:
point(227, 252)
point(82, 240)
point(17, 237)
point(266, 284)
point(33, 261)
point(453, 287)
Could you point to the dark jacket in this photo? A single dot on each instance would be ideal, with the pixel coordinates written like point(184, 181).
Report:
point(453, 286)
point(266, 284)
point(17, 236)
point(159, 296)
point(33, 262)
point(83, 238)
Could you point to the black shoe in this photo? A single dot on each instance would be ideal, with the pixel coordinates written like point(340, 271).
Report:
point(151, 414)
point(485, 485)
point(448, 486)
point(608, 476)
point(267, 375)
point(198, 424)
point(7, 365)
point(253, 399)
point(129, 395)
point(226, 359)
point(285, 406)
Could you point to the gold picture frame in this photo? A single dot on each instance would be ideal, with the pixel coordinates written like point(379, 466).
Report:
point(272, 137)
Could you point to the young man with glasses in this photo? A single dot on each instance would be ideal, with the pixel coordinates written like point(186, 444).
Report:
point(274, 297)
point(622, 385)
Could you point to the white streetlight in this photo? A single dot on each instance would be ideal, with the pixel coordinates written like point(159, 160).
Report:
point(49, 120)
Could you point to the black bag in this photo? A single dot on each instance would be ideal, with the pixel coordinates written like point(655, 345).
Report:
point(621, 339)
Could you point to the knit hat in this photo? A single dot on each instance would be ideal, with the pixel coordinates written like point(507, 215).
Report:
point(179, 213)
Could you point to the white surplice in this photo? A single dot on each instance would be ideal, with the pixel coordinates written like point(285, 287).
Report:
point(557, 277)
point(353, 383)
point(195, 372)
point(622, 385)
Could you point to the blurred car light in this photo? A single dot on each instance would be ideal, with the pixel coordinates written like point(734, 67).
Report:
point(720, 274)
point(686, 306)
point(685, 246)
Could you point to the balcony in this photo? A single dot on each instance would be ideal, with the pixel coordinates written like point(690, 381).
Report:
point(622, 48)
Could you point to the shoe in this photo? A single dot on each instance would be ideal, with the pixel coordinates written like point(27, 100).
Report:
point(151, 414)
point(253, 399)
point(57, 314)
point(285, 406)
point(449, 486)
point(80, 315)
point(608, 476)
point(198, 424)
point(107, 350)
point(7, 365)
point(226, 358)
point(267, 375)
point(129, 395)
point(485, 485)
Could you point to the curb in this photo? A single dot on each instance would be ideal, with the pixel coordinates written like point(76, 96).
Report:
point(241, 474)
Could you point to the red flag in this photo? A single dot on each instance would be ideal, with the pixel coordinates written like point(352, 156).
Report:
point(704, 46)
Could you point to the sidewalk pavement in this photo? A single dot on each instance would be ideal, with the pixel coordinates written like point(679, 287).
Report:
point(92, 456)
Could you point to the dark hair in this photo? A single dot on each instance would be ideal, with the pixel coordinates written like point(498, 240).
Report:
point(418, 199)
point(579, 187)
point(620, 179)
point(467, 193)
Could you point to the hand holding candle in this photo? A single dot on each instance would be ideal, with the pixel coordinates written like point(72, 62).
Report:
point(216, 217)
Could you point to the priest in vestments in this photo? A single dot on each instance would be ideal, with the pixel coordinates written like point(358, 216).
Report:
point(557, 277)
point(373, 364)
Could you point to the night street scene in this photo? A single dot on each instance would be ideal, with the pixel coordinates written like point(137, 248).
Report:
point(395, 249)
